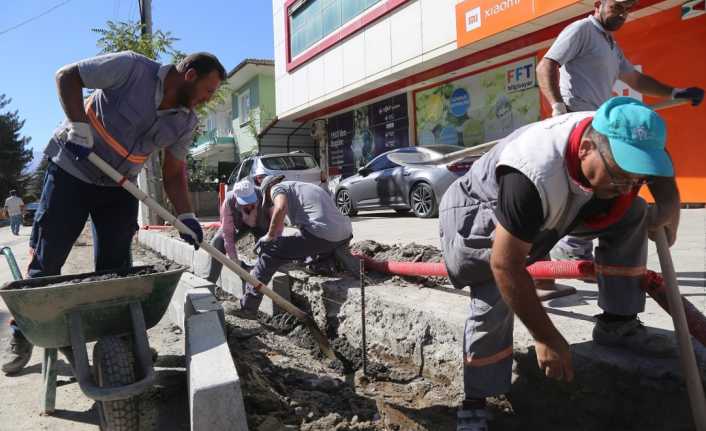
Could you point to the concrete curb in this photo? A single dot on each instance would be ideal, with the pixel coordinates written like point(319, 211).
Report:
point(215, 396)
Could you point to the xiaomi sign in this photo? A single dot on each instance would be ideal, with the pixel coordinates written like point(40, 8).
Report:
point(478, 19)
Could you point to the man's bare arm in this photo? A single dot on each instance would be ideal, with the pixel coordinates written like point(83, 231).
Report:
point(176, 183)
point(548, 78)
point(70, 89)
point(508, 259)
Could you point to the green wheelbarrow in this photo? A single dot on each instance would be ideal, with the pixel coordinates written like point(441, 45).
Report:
point(113, 308)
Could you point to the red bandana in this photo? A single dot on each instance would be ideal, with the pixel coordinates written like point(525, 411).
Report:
point(620, 205)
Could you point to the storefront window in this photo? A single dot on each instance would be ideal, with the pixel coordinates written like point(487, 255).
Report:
point(313, 20)
point(478, 108)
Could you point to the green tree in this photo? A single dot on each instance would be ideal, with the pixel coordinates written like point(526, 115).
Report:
point(127, 36)
point(15, 154)
point(201, 177)
point(33, 188)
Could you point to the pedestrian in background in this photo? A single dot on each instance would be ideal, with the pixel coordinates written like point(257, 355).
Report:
point(14, 207)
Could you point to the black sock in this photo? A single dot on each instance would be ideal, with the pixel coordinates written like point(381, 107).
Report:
point(473, 403)
point(610, 318)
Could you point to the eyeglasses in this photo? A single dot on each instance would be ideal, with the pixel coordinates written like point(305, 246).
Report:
point(618, 180)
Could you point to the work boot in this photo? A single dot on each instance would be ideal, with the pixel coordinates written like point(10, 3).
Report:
point(322, 266)
point(472, 419)
point(632, 335)
point(249, 304)
point(18, 353)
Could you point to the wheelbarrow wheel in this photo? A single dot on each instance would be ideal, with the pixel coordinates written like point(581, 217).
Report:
point(114, 366)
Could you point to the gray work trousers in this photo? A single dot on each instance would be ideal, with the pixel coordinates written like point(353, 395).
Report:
point(215, 267)
point(273, 254)
point(487, 343)
point(573, 248)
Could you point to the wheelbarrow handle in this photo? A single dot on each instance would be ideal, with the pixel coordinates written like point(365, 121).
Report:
point(12, 263)
point(216, 254)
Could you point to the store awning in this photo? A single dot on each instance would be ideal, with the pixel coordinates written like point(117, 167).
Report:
point(282, 136)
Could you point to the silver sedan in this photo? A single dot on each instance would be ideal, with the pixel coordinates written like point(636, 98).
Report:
point(385, 184)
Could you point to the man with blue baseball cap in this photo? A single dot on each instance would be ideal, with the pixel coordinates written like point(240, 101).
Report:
point(577, 173)
point(240, 215)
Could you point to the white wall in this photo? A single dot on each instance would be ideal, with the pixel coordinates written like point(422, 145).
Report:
point(414, 33)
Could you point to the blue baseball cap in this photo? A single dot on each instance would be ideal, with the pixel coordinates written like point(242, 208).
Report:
point(637, 136)
point(244, 191)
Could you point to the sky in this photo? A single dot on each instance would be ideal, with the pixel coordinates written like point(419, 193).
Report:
point(30, 54)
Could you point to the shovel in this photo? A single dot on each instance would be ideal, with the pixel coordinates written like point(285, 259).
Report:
point(259, 286)
point(419, 159)
point(687, 358)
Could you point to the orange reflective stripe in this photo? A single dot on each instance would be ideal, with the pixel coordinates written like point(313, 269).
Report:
point(114, 145)
point(474, 361)
point(621, 271)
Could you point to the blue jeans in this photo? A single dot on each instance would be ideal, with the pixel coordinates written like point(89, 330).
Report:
point(15, 223)
point(64, 207)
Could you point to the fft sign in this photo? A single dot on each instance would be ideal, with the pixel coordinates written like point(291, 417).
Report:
point(520, 76)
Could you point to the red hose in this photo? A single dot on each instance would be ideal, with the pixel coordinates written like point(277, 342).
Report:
point(210, 225)
point(539, 270)
point(568, 269)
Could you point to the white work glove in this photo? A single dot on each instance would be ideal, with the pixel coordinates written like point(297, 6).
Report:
point(558, 108)
point(80, 139)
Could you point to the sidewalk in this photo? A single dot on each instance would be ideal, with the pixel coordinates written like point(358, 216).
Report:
point(20, 394)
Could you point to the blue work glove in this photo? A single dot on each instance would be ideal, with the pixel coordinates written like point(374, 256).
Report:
point(695, 94)
point(79, 139)
point(190, 220)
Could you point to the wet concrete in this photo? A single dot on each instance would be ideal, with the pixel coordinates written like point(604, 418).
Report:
point(97, 276)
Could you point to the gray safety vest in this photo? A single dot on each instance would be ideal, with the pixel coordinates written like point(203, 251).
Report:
point(538, 151)
point(128, 129)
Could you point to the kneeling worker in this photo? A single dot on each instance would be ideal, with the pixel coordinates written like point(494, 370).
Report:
point(322, 229)
point(574, 174)
point(239, 217)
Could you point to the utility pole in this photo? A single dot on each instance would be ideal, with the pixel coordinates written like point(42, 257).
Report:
point(150, 179)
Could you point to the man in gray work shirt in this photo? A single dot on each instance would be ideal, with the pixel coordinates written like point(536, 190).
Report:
point(138, 107)
point(579, 71)
point(322, 229)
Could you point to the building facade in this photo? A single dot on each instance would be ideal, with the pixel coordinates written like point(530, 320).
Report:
point(230, 128)
point(392, 73)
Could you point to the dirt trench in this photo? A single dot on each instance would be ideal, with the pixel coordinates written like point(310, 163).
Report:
point(288, 384)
